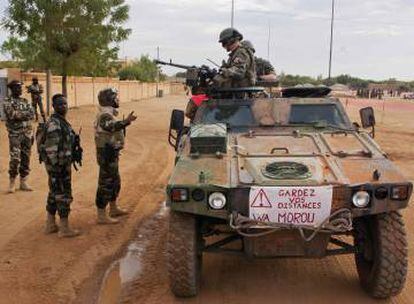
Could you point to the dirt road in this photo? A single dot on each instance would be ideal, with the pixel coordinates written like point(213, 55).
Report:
point(36, 268)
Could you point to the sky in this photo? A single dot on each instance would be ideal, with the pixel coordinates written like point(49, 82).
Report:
point(373, 38)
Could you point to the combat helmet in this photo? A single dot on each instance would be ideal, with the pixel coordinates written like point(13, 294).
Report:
point(107, 98)
point(229, 35)
point(248, 45)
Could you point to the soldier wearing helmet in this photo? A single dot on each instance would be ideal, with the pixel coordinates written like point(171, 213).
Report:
point(264, 69)
point(19, 118)
point(239, 70)
point(109, 140)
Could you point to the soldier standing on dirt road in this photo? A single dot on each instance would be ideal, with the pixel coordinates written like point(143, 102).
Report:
point(36, 90)
point(59, 140)
point(264, 69)
point(19, 118)
point(109, 140)
point(239, 70)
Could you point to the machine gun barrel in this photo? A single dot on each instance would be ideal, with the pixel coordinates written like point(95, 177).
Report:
point(180, 66)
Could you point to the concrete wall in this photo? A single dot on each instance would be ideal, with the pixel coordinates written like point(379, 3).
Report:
point(84, 90)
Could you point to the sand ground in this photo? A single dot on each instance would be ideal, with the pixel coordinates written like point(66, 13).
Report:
point(35, 268)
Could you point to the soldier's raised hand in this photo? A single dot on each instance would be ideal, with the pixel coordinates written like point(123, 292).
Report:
point(131, 117)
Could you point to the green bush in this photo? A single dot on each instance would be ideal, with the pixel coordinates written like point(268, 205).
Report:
point(143, 69)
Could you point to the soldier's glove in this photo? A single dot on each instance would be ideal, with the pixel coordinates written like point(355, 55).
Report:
point(225, 72)
point(224, 64)
point(219, 80)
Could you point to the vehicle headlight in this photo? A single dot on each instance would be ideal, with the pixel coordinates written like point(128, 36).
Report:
point(361, 199)
point(217, 200)
point(399, 193)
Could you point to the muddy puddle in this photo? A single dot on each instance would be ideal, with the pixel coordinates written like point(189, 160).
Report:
point(130, 266)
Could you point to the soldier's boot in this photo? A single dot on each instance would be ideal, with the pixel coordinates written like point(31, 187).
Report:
point(65, 231)
point(24, 186)
point(104, 219)
point(51, 226)
point(115, 211)
point(12, 185)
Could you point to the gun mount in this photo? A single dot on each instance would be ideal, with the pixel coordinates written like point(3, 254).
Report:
point(198, 78)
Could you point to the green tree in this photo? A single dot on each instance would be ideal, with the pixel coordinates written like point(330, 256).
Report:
point(71, 37)
point(143, 69)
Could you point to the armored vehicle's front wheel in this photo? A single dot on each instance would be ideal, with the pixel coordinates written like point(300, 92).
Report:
point(184, 254)
point(381, 256)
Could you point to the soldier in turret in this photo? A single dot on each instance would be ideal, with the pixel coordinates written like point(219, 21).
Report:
point(109, 140)
point(239, 70)
point(19, 118)
point(264, 69)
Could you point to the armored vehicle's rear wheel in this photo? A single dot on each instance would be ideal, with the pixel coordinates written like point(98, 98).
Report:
point(381, 257)
point(184, 254)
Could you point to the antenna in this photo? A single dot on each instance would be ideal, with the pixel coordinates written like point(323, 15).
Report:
point(268, 44)
point(216, 64)
point(232, 13)
point(332, 37)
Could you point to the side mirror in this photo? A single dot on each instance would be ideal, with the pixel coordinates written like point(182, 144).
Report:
point(368, 119)
point(176, 128)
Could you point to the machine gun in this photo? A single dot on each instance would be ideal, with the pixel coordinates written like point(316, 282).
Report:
point(198, 78)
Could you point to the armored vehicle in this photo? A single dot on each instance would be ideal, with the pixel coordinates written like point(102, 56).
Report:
point(284, 177)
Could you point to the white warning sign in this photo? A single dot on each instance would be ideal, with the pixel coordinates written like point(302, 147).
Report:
point(308, 206)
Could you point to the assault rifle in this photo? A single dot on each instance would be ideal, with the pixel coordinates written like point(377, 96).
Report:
point(77, 151)
point(198, 78)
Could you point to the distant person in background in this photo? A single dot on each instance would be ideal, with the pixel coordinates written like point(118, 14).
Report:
point(264, 69)
point(19, 119)
point(36, 91)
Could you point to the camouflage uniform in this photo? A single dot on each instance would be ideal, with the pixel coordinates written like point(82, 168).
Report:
point(35, 91)
point(263, 67)
point(239, 70)
point(59, 141)
point(19, 117)
point(109, 140)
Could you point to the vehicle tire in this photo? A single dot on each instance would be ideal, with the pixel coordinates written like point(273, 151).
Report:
point(184, 254)
point(381, 256)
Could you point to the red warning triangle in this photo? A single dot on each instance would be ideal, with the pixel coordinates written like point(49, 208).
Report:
point(261, 200)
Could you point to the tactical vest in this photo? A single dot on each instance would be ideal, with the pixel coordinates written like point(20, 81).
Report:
point(102, 137)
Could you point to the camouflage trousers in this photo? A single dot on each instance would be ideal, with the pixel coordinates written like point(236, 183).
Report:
point(60, 190)
point(37, 103)
point(109, 183)
point(20, 145)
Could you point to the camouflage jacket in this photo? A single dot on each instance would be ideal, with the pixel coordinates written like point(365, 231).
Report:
point(109, 130)
point(35, 89)
point(240, 69)
point(19, 115)
point(263, 67)
point(59, 141)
